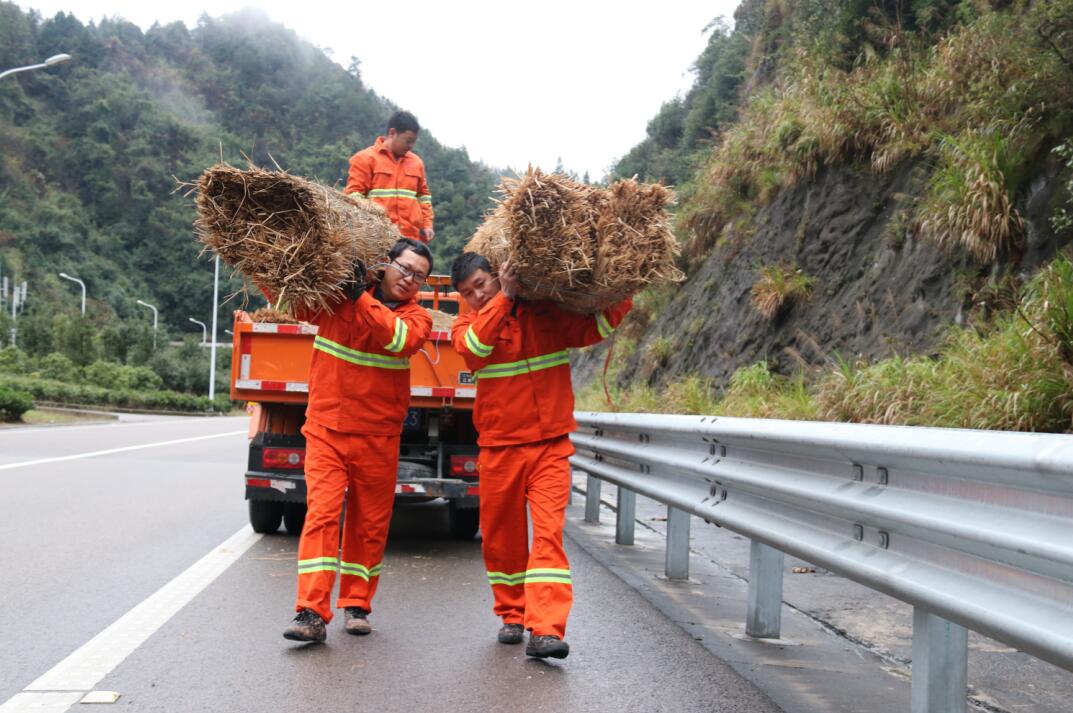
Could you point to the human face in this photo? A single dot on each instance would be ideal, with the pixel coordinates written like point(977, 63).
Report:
point(399, 143)
point(478, 288)
point(404, 276)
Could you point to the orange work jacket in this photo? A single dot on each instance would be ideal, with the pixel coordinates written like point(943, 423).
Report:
point(398, 185)
point(517, 351)
point(359, 377)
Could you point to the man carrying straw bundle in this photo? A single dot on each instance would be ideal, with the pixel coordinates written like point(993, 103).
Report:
point(517, 350)
point(392, 175)
point(359, 390)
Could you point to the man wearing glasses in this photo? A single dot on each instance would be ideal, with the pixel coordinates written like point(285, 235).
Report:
point(359, 391)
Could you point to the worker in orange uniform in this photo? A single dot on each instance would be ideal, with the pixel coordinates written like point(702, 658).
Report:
point(524, 415)
point(391, 174)
point(359, 389)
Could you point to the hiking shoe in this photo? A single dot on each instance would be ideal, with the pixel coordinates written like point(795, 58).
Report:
point(543, 647)
point(511, 634)
point(357, 621)
point(307, 626)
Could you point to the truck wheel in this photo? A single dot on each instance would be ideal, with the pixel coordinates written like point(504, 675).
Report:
point(265, 516)
point(294, 517)
point(463, 522)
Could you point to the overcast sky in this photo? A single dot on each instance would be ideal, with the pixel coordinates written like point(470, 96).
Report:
point(513, 83)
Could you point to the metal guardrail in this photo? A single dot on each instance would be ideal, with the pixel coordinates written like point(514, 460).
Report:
point(972, 528)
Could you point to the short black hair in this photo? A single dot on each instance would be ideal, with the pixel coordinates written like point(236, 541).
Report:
point(403, 121)
point(466, 264)
point(414, 245)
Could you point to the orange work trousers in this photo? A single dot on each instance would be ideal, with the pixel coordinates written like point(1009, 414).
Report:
point(530, 584)
point(361, 469)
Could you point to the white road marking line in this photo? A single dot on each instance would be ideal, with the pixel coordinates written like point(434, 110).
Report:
point(90, 454)
point(70, 679)
point(64, 428)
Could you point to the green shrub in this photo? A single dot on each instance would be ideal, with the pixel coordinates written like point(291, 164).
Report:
point(59, 367)
point(13, 361)
point(14, 403)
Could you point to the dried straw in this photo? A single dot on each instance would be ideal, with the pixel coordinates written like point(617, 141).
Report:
point(296, 238)
point(272, 315)
point(582, 246)
point(441, 321)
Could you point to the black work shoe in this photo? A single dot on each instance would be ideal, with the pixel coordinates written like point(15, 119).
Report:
point(307, 626)
point(543, 647)
point(511, 634)
point(357, 621)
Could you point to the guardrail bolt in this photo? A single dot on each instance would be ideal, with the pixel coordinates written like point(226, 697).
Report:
point(711, 449)
point(884, 540)
point(723, 451)
point(884, 477)
point(713, 491)
point(858, 472)
point(723, 494)
point(858, 532)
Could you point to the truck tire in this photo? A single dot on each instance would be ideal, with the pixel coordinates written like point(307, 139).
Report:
point(294, 517)
point(265, 516)
point(464, 522)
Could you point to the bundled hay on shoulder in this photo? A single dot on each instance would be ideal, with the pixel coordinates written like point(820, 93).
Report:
point(582, 246)
point(441, 321)
point(296, 238)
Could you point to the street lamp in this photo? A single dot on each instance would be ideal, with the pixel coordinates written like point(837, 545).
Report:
point(146, 304)
point(65, 276)
point(54, 59)
point(204, 330)
point(215, 309)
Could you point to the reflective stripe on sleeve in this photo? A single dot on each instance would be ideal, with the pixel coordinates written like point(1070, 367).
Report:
point(425, 199)
point(376, 361)
point(515, 368)
point(318, 564)
point(399, 340)
point(475, 345)
point(603, 326)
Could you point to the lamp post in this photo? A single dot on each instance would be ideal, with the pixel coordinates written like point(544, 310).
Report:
point(54, 59)
point(146, 304)
point(204, 330)
point(65, 276)
point(215, 309)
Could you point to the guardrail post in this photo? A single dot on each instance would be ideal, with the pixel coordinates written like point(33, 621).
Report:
point(592, 500)
point(627, 509)
point(764, 612)
point(940, 664)
point(677, 562)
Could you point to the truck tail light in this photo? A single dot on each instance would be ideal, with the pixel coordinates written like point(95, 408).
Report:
point(464, 467)
point(283, 458)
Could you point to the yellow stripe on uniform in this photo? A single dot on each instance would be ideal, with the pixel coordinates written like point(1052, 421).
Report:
point(399, 340)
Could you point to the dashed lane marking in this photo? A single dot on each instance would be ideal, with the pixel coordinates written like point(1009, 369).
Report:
point(124, 449)
point(65, 684)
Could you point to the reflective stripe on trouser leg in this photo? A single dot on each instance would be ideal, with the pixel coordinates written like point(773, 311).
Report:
point(549, 592)
point(374, 464)
point(318, 548)
point(504, 530)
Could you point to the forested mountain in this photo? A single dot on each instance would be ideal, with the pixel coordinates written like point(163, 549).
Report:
point(94, 149)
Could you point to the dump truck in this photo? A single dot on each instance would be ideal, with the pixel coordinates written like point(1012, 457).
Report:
point(438, 451)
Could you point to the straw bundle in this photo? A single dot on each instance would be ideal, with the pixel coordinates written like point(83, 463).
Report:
point(636, 247)
point(582, 246)
point(296, 238)
point(272, 315)
point(441, 321)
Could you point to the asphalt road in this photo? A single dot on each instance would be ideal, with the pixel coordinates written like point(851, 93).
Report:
point(114, 579)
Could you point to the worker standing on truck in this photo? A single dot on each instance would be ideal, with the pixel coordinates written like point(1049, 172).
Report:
point(524, 414)
point(359, 390)
point(392, 175)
